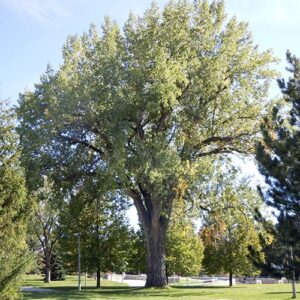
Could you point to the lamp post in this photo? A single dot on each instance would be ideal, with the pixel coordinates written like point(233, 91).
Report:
point(79, 263)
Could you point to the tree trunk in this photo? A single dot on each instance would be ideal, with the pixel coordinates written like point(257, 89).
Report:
point(230, 278)
point(156, 268)
point(293, 274)
point(47, 266)
point(47, 274)
point(98, 277)
point(156, 252)
point(154, 215)
point(167, 273)
point(294, 285)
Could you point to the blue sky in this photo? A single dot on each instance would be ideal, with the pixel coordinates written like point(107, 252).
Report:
point(33, 31)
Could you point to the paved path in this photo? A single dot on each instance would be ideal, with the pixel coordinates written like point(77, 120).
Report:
point(137, 283)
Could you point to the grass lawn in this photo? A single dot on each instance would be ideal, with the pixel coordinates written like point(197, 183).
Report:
point(110, 290)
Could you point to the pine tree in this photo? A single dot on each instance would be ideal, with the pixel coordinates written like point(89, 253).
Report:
point(57, 268)
point(14, 209)
point(278, 156)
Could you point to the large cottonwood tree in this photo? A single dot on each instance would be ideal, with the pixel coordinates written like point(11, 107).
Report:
point(147, 105)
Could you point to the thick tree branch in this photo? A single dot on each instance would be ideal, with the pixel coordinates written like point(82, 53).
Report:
point(226, 139)
point(88, 145)
point(220, 150)
point(138, 202)
point(147, 199)
point(162, 120)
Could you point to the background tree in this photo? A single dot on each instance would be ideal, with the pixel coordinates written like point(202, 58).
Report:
point(184, 246)
point(104, 232)
point(267, 236)
point(278, 154)
point(44, 224)
point(230, 233)
point(57, 268)
point(14, 210)
point(137, 262)
point(145, 106)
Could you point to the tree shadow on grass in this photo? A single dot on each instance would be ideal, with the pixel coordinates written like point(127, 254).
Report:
point(278, 293)
point(59, 293)
point(207, 287)
point(43, 295)
point(143, 293)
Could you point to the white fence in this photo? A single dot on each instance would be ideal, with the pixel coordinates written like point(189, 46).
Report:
point(203, 281)
point(140, 280)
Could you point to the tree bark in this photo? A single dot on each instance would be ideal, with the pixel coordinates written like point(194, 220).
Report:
point(47, 274)
point(167, 273)
point(294, 285)
point(294, 294)
point(98, 277)
point(230, 278)
point(47, 255)
point(156, 231)
point(154, 215)
point(156, 258)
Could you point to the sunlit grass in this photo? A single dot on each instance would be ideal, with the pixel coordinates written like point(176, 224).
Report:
point(71, 281)
point(112, 290)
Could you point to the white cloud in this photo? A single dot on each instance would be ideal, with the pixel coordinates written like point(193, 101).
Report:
point(44, 11)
